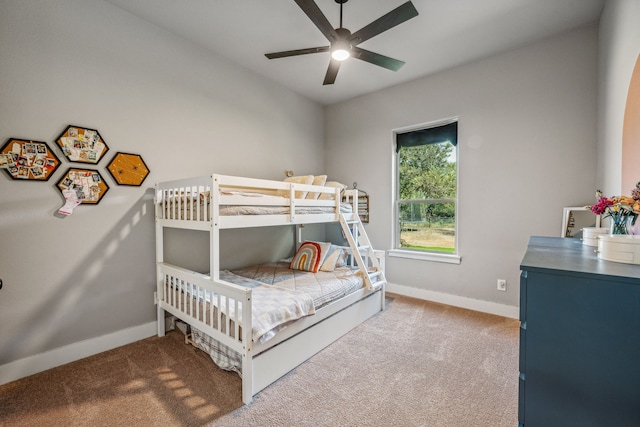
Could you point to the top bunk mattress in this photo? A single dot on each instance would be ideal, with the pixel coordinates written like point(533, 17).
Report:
point(239, 202)
point(199, 210)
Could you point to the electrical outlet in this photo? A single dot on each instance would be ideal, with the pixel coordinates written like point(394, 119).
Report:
point(502, 285)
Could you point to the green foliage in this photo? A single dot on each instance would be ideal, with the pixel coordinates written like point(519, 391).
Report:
point(427, 172)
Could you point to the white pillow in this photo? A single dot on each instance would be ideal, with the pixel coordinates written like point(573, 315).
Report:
point(334, 184)
point(302, 179)
point(342, 259)
point(317, 180)
point(331, 260)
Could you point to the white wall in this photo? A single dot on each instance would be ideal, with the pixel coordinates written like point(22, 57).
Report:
point(87, 63)
point(619, 49)
point(527, 148)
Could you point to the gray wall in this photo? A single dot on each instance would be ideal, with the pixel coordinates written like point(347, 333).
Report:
point(185, 111)
point(527, 148)
point(619, 49)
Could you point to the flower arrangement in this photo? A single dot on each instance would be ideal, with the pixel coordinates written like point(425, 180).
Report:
point(621, 209)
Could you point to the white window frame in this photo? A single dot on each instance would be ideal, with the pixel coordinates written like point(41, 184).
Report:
point(396, 251)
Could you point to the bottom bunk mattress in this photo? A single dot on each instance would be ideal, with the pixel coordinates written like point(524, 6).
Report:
point(321, 288)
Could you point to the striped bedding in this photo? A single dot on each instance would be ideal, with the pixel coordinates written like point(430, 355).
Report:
point(322, 288)
point(272, 306)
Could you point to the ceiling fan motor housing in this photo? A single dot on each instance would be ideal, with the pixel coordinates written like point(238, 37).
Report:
point(343, 33)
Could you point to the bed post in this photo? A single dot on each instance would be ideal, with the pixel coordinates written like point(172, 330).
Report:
point(214, 233)
point(297, 238)
point(159, 259)
point(247, 349)
point(383, 289)
point(247, 373)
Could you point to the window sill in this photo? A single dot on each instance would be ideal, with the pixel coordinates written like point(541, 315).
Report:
point(425, 256)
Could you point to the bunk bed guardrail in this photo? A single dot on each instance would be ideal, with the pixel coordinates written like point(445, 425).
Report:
point(219, 307)
point(191, 200)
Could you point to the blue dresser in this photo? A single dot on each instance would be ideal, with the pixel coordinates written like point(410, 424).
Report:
point(579, 338)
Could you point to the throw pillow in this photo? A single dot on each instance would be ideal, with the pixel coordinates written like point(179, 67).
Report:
point(317, 180)
point(302, 179)
point(309, 256)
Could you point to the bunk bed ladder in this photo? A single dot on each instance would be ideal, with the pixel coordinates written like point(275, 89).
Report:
point(363, 252)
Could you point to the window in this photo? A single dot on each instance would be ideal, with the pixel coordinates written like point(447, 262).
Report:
point(426, 190)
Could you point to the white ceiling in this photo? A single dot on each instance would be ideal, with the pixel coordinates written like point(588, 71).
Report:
point(446, 33)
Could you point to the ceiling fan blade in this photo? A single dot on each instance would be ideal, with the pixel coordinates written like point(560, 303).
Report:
point(332, 72)
point(317, 17)
point(396, 17)
point(297, 52)
point(376, 59)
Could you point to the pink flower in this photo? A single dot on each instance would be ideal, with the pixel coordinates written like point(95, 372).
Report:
point(601, 206)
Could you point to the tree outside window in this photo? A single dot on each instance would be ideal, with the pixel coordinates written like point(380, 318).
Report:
point(427, 189)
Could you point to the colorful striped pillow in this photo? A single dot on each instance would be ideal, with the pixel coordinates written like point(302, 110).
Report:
point(310, 256)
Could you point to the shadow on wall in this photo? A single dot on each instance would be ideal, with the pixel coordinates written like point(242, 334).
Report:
point(110, 289)
point(111, 286)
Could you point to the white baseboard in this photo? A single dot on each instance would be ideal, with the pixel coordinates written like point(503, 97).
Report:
point(50, 359)
point(456, 301)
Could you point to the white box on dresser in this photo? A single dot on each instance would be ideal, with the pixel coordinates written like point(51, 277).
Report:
point(619, 248)
point(590, 235)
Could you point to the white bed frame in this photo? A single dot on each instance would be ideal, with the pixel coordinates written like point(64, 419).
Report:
point(194, 204)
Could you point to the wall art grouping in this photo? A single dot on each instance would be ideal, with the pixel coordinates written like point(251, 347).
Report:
point(24, 159)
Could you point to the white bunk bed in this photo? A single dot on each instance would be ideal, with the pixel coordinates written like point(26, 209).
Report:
point(219, 308)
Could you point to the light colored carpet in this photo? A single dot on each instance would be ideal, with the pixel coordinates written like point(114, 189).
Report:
point(416, 364)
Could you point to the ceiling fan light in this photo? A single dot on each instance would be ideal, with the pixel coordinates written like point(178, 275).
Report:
point(340, 54)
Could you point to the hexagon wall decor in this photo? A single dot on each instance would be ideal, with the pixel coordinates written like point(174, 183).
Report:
point(82, 145)
point(88, 185)
point(28, 160)
point(128, 169)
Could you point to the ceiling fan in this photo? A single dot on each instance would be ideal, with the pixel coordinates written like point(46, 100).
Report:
point(344, 44)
